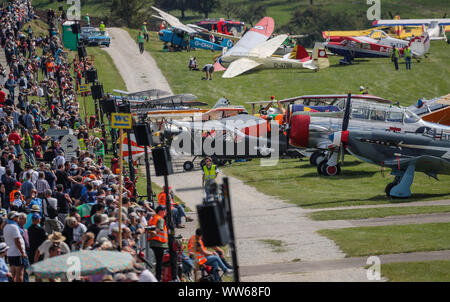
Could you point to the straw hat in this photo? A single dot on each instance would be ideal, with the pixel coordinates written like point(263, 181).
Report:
point(56, 237)
point(35, 208)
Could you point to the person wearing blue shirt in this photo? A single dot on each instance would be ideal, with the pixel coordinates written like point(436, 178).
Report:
point(4, 270)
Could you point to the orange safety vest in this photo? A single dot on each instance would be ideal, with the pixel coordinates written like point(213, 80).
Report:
point(11, 195)
point(161, 236)
point(191, 248)
point(162, 200)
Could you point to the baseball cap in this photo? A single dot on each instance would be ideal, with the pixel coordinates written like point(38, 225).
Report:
point(35, 216)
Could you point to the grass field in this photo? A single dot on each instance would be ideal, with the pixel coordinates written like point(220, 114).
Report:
point(377, 212)
point(366, 241)
point(282, 10)
point(359, 184)
point(429, 271)
point(427, 79)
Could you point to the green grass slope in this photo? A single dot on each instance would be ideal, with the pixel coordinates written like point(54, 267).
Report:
point(426, 79)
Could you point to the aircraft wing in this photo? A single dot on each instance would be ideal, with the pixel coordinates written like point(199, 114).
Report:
point(338, 114)
point(267, 48)
point(431, 164)
point(410, 22)
point(240, 66)
point(255, 36)
point(174, 21)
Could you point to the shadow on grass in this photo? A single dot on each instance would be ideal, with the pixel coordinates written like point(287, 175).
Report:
point(344, 175)
point(346, 164)
point(413, 198)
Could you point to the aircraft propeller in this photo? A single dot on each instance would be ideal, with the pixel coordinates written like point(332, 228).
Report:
point(340, 138)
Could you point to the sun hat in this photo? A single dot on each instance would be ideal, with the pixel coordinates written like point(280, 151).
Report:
point(12, 215)
point(35, 208)
point(56, 237)
point(3, 247)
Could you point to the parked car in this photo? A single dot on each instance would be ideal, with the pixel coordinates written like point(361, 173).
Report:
point(93, 37)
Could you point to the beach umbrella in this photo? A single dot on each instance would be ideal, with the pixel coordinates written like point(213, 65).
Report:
point(85, 262)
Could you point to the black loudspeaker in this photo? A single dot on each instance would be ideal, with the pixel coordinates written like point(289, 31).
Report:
point(81, 51)
point(97, 91)
point(124, 108)
point(143, 134)
point(76, 29)
point(213, 224)
point(162, 161)
point(109, 106)
point(91, 75)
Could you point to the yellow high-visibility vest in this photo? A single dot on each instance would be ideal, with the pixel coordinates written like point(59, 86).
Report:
point(209, 174)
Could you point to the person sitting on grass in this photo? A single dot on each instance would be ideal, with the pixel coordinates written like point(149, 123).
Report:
point(193, 64)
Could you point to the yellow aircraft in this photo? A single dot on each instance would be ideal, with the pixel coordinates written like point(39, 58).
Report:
point(398, 32)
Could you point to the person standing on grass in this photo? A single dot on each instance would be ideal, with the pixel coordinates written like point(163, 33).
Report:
point(408, 57)
point(140, 40)
point(145, 31)
point(87, 20)
point(394, 57)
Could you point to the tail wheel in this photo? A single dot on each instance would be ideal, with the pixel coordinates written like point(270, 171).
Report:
point(188, 166)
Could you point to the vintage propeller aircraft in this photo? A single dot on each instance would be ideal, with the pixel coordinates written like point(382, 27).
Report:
point(426, 151)
point(436, 28)
point(254, 50)
point(312, 131)
point(379, 47)
point(199, 35)
point(436, 110)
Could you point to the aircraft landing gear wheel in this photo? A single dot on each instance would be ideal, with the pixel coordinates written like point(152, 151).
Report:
point(320, 167)
point(388, 188)
point(316, 158)
point(326, 170)
point(331, 170)
point(188, 166)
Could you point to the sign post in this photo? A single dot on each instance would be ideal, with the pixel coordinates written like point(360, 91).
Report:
point(121, 121)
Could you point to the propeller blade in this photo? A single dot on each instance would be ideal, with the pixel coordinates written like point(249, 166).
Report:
point(390, 14)
point(346, 119)
point(342, 153)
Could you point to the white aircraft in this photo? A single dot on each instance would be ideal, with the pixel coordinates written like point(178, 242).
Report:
point(436, 28)
point(254, 50)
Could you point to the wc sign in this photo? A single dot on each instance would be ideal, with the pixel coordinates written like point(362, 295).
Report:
point(121, 120)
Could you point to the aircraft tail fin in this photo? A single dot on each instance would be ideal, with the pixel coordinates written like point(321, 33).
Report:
point(222, 102)
point(226, 43)
point(299, 53)
point(420, 45)
point(398, 29)
point(320, 57)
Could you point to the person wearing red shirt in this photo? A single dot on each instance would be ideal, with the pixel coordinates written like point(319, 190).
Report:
point(2, 97)
point(15, 137)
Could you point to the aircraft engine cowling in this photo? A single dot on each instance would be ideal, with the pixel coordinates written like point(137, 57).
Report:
point(299, 130)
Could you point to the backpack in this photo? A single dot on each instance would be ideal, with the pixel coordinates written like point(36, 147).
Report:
point(51, 211)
